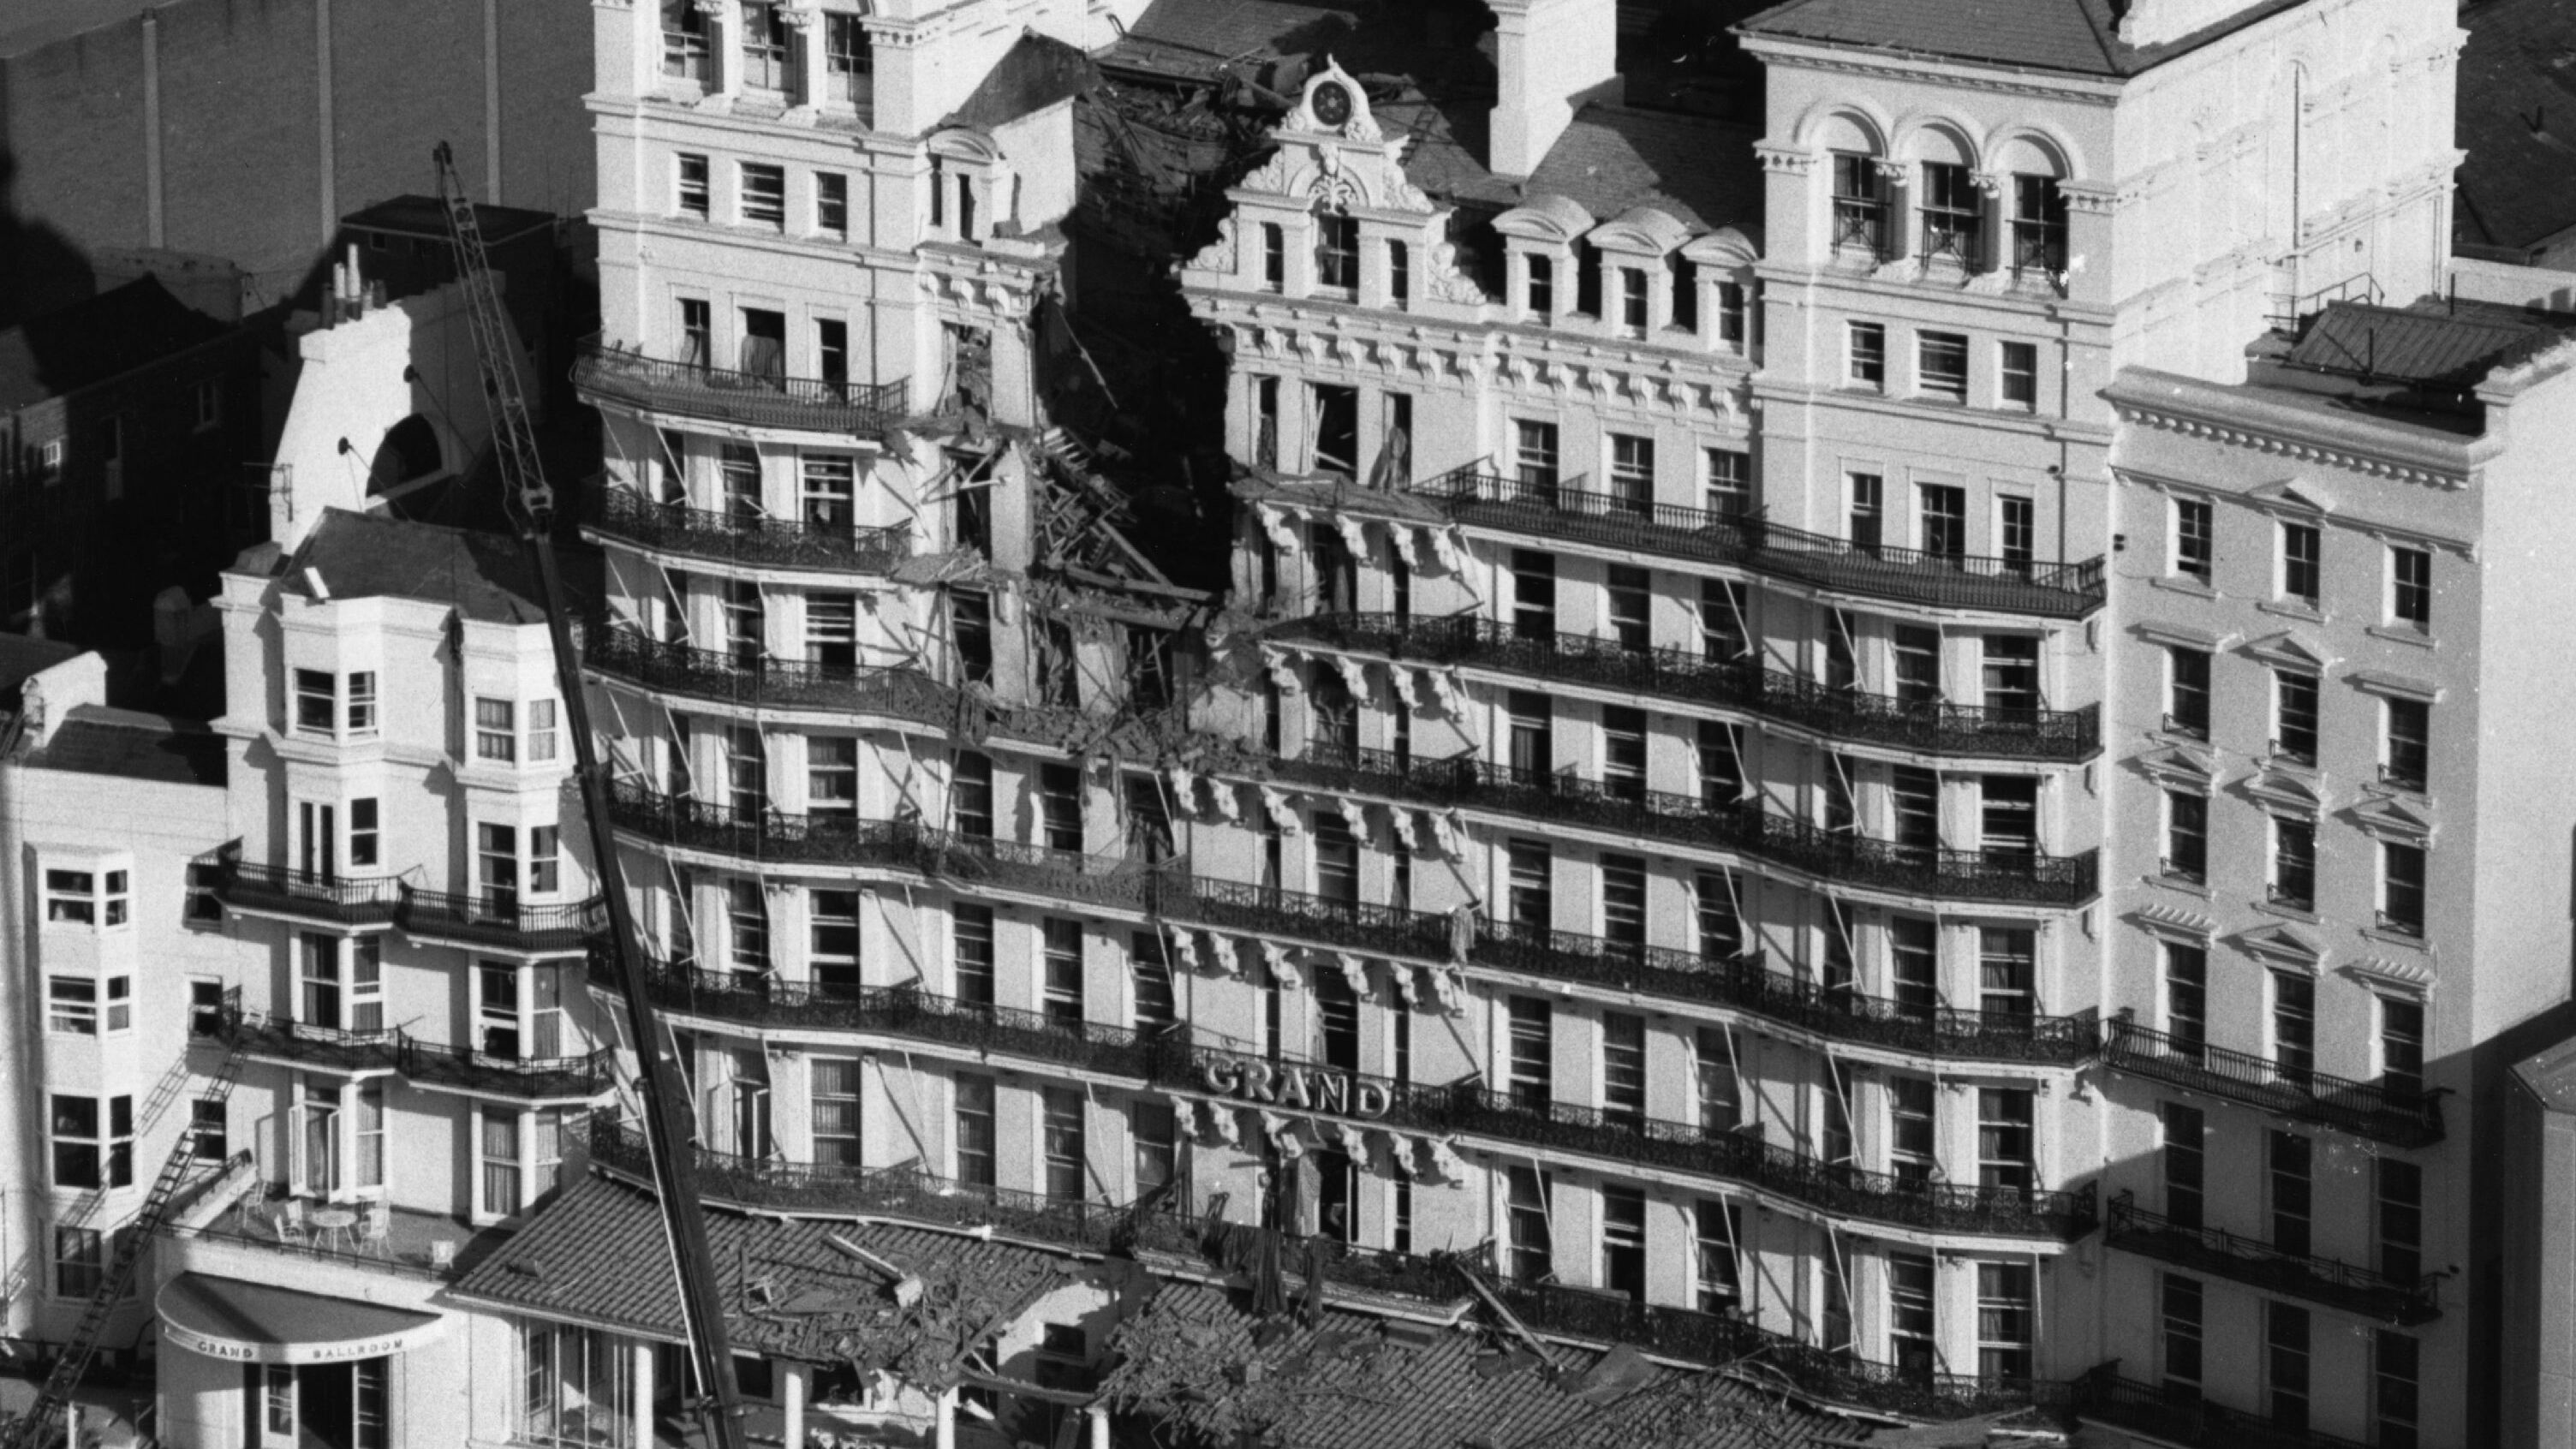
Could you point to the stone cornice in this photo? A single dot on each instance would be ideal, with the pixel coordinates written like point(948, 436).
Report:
point(1903, 66)
point(2242, 417)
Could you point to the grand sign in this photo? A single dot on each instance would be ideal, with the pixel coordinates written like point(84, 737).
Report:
point(1310, 1089)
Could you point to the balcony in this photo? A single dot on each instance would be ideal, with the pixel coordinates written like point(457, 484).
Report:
point(275, 890)
point(2182, 1416)
point(2376, 1110)
point(2251, 1261)
point(604, 373)
point(753, 541)
point(1748, 983)
point(1719, 1338)
point(1477, 495)
point(488, 920)
point(624, 654)
point(1930, 726)
point(1835, 1188)
point(262, 1037)
point(428, 1064)
point(1268, 910)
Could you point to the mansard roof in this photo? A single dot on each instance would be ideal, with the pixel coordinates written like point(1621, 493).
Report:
point(2079, 37)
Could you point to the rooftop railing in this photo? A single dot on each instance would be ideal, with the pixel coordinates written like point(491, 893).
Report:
point(1477, 494)
point(750, 539)
point(2379, 1110)
point(602, 372)
point(279, 890)
point(2252, 1261)
point(1932, 726)
point(492, 919)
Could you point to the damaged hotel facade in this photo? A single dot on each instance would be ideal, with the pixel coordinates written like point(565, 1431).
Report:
point(1859, 740)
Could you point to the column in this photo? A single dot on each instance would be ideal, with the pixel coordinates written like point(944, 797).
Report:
point(643, 1436)
point(948, 1420)
point(724, 46)
point(1898, 179)
point(1099, 1416)
point(794, 1400)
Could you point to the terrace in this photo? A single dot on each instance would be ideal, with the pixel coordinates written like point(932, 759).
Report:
point(278, 891)
point(489, 921)
point(2382, 1111)
point(748, 539)
point(2252, 1261)
point(604, 373)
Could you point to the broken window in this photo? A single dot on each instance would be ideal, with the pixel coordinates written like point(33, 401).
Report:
point(1060, 806)
point(1337, 430)
point(1265, 435)
point(684, 41)
point(764, 336)
point(970, 367)
point(1337, 250)
point(1623, 1242)
point(1155, 1130)
point(765, 48)
point(832, 630)
point(1525, 1201)
point(971, 621)
point(848, 57)
point(833, 933)
point(1151, 969)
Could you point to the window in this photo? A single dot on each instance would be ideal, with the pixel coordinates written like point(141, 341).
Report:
point(209, 398)
point(832, 777)
point(971, 623)
point(1534, 595)
point(495, 730)
point(1623, 1242)
point(847, 55)
point(2294, 719)
point(369, 1140)
point(49, 462)
point(2039, 225)
point(1714, 1229)
point(1337, 250)
point(84, 1157)
point(2401, 888)
point(2005, 1157)
point(1865, 355)
point(1910, 1314)
point(2399, 1221)
point(2194, 542)
point(1623, 1067)
point(1722, 632)
point(747, 917)
point(697, 335)
point(1868, 511)
point(1953, 214)
point(80, 1262)
point(498, 1157)
point(496, 850)
point(2017, 376)
point(975, 1138)
point(72, 896)
point(1155, 1129)
point(2180, 1305)
point(1629, 592)
point(2406, 754)
point(2009, 815)
point(362, 702)
point(2395, 1364)
point(1860, 204)
point(1941, 366)
point(1632, 302)
point(1530, 1065)
point(684, 40)
point(1060, 806)
point(1729, 488)
point(2401, 1044)
point(2410, 591)
point(2007, 972)
point(2294, 1023)
point(2183, 1162)
point(1535, 458)
point(971, 795)
point(120, 1003)
point(832, 204)
point(1734, 316)
point(1525, 1192)
point(1913, 966)
point(832, 934)
point(2186, 996)
point(1274, 256)
point(2187, 836)
point(2187, 692)
point(2016, 533)
point(209, 1132)
point(693, 189)
point(832, 630)
point(1632, 473)
point(2294, 863)
point(1060, 950)
point(2005, 1320)
point(764, 47)
point(1721, 1100)
point(1943, 521)
point(831, 364)
point(316, 701)
point(1910, 1154)
point(1399, 272)
point(542, 741)
point(205, 1007)
point(2285, 1364)
point(1623, 772)
point(1542, 286)
point(2302, 563)
point(764, 195)
point(71, 1005)
point(1061, 1109)
point(578, 1384)
point(971, 947)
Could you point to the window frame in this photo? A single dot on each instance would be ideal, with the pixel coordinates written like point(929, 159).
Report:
point(2410, 602)
point(2194, 553)
point(1865, 356)
point(765, 205)
point(1944, 382)
point(2017, 376)
point(693, 185)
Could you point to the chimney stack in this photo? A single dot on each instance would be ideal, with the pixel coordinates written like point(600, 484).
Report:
point(1550, 56)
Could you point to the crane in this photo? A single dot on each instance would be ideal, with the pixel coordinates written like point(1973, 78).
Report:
point(669, 1116)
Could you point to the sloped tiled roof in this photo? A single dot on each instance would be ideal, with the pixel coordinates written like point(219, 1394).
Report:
point(2076, 36)
point(1035, 73)
point(368, 555)
point(2516, 115)
point(2424, 345)
point(95, 740)
point(1345, 1384)
point(1612, 158)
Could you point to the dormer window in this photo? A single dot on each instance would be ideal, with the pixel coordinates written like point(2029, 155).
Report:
point(1542, 286)
point(1953, 214)
point(1860, 204)
point(2039, 225)
point(1399, 273)
point(1337, 251)
point(1632, 301)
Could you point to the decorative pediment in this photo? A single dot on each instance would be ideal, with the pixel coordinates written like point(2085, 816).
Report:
point(2180, 765)
point(1727, 247)
point(1333, 104)
point(2292, 496)
point(2289, 649)
point(1551, 218)
point(2380, 681)
point(2190, 928)
point(2283, 945)
point(2393, 818)
point(2396, 978)
point(2286, 791)
point(1647, 231)
point(2157, 631)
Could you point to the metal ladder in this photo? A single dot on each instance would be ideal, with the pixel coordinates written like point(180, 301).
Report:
point(36, 1426)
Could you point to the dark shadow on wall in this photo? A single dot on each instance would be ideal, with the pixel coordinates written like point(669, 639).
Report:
point(40, 269)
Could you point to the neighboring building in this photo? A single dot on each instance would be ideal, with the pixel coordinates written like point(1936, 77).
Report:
point(2537, 1337)
point(201, 126)
point(2517, 121)
point(127, 424)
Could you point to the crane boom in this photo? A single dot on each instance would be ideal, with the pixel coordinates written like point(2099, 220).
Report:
point(669, 1116)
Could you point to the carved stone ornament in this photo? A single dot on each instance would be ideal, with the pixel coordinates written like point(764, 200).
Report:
point(1219, 255)
point(1449, 284)
point(1335, 105)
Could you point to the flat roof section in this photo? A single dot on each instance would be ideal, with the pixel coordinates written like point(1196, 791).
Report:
point(128, 744)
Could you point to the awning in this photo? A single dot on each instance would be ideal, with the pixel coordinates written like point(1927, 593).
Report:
point(228, 1318)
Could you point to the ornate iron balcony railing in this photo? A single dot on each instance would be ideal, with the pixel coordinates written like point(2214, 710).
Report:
point(488, 920)
point(278, 890)
point(280, 1039)
point(615, 374)
point(2378, 1110)
point(759, 540)
point(1931, 726)
point(539, 1078)
point(2181, 1416)
point(1476, 494)
point(2328, 1281)
point(713, 674)
point(1358, 925)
